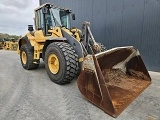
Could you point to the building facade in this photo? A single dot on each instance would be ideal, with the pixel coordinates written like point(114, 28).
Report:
point(121, 23)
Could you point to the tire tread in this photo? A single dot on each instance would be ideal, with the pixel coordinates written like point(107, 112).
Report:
point(29, 65)
point(71, 61)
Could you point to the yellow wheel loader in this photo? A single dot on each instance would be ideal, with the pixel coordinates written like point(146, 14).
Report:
point(110, 79)
point(1, 43)
point(10, 45)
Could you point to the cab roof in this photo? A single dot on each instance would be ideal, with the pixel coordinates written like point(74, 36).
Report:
point(54, 6)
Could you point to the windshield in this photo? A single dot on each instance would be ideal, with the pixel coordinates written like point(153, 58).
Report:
point(65, 19)
point(60, 17)
point(55, 17)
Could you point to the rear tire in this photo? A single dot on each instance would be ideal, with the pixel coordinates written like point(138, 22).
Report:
point(27, 59)
point(61, 62)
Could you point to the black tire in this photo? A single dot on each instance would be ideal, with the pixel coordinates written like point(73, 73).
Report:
point(29, 65)
point(68, 62)
point(103, 48)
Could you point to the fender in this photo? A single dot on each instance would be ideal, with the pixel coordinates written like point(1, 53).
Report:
point(74, 43)
point(25, 40)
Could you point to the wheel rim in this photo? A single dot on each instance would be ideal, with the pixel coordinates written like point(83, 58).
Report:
point(53, 63)
point(24, 57)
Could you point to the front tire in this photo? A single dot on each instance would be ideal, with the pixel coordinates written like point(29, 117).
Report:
point(61, 62)
point(27, 59)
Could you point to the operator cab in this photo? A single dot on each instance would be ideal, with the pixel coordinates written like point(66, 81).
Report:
point(49, 16)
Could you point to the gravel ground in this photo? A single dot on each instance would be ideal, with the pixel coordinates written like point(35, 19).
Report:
point(30, 95)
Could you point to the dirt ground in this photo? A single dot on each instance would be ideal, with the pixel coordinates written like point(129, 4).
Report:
point(30, 95)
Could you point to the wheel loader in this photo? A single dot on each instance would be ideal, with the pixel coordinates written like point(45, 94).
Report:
point(1, 43)
point(11, 44)
point(110, 79)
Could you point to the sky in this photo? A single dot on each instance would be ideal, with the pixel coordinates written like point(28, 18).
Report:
point(16, 15)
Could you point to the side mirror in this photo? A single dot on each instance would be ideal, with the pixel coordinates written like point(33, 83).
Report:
point(73, 16)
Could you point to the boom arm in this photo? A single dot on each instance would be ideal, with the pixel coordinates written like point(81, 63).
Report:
point(88, 42)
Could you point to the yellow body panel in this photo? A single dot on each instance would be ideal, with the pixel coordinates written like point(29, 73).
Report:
point(76, 32)
point(67, 30)
point(37, 40)
point(39, 37)
point(56, 32)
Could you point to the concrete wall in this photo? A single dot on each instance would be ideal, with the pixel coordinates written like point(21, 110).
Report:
point(121, 23)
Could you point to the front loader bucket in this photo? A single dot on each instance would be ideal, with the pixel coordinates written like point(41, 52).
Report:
point(113, 79)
